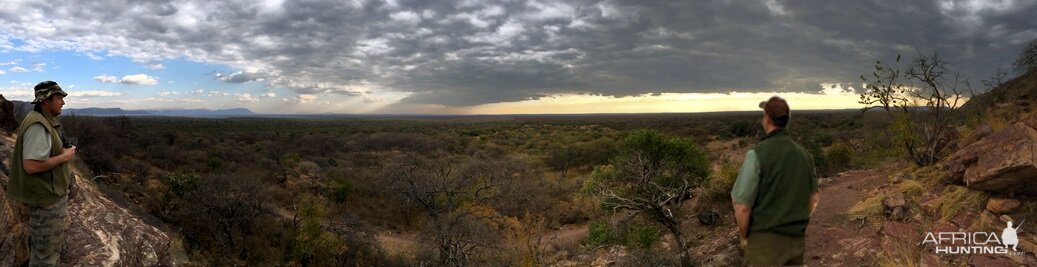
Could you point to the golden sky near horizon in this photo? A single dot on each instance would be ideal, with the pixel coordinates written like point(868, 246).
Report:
point(831, 98)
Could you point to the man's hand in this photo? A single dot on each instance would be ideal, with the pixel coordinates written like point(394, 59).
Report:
point(68, 154)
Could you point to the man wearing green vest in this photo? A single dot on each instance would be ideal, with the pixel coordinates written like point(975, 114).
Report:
point(775, 193)
point(40, 175)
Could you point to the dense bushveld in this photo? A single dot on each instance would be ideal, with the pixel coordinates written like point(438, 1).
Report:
point(472, 190)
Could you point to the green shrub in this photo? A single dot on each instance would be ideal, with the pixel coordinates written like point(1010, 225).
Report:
point(642, 236)
point(598, 234)
point(820, 160)
point(838, 157)
point(340, 188)
point(215, 163)
point(720, 184)
point(744, 128)
point(181, 181)
point(314, 245)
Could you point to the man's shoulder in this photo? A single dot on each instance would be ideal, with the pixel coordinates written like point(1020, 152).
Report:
point(36, 127)
point(802, 151)
point(32, 118)
point(781, 144)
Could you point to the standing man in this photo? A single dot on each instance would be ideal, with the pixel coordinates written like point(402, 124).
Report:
point(40, 175)
point(775, 194)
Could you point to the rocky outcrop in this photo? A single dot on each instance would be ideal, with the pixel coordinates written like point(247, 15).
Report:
point(100, 233)
point(1004, 161)
point(7, 121)
point(1001, 205)
point(13, 246)
point(103, 234)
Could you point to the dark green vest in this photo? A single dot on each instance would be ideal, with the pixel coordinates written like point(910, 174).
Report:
point(44, 188)
point(787, 178)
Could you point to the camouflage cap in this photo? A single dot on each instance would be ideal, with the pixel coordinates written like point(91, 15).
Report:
point(46, 89)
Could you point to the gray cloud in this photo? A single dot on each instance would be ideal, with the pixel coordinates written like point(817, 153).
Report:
point(241, 77)
point(474, 52)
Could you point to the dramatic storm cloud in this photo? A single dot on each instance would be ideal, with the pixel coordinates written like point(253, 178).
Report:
point(465, 53)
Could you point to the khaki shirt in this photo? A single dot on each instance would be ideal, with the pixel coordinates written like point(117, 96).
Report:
point(36, 143)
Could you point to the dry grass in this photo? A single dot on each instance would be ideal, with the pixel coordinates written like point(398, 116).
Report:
point(899, 254)
point(996, 121)
point(1028, 210)
point(911, 189)
point(870, 207)
point(930, 176)
point(986, 223)
point(956, 199)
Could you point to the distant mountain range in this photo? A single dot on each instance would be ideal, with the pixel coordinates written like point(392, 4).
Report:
point(161, 112)
point(22, 107)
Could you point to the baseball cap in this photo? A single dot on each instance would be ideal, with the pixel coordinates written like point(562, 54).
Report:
point(777, 109)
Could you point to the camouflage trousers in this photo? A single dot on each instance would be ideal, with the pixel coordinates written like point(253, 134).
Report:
point(47, 233)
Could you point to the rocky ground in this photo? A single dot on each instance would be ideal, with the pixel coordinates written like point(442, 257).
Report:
point(100, 233)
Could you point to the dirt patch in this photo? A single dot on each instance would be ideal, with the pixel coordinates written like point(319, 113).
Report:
point(566, 235)
point(833, 237)
point(397, 244)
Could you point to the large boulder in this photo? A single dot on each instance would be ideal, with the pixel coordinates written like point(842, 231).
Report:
point(1002, 205)
point(100, 233)
point(1004, 161)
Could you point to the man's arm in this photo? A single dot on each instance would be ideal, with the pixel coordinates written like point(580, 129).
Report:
point(742, 214)
point(814, 197)
point(744, 194)
point(37, 166)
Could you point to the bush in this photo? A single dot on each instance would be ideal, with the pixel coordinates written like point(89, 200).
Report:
point(641, 236)
point(635, 234)
point(598, 234)
point(181, 182)
point(98, 140)
point(838, 157)
point(654, 172)
point(720, 184)
point(820, 160)
point(314, 245)
point(226, 217)
point(744, 128)
point(340, 187)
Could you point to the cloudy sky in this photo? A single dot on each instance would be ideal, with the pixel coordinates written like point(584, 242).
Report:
point(515, 56)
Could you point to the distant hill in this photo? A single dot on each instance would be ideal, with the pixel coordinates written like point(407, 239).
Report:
point(161, 112)
point(200, 112)
point(106, 112)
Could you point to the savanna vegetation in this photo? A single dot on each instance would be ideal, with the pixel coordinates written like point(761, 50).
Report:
point(456, 190)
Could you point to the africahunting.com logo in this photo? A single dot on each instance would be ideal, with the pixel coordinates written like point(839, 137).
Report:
point(975, 242)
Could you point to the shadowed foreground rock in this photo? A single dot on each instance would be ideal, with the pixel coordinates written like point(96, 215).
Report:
point(1004, 161)
point(13, 250)
point(100, 233)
